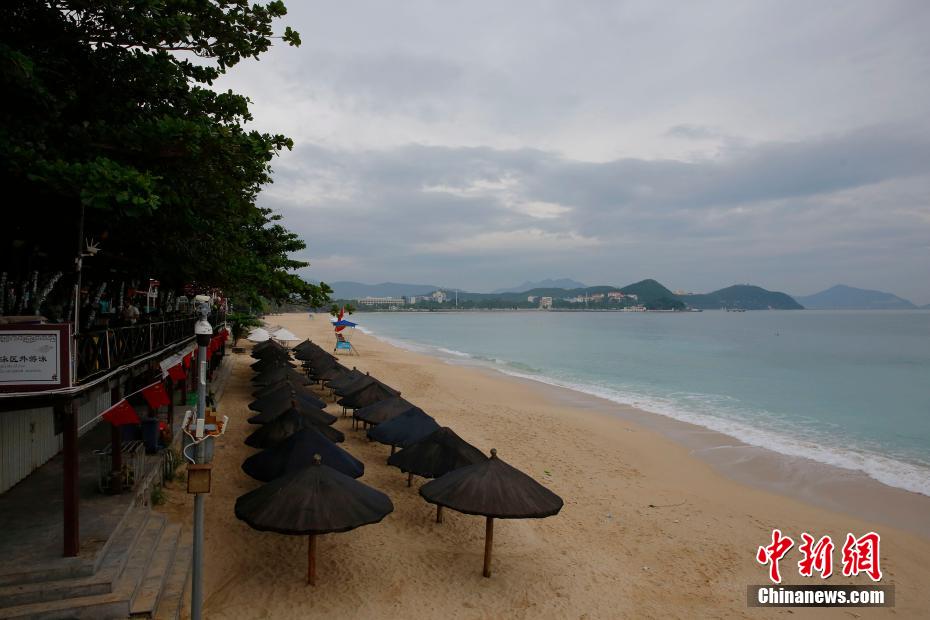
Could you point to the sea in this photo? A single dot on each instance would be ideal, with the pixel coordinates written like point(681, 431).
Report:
point(845, 388)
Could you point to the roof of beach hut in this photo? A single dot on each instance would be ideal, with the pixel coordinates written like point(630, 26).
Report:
point(492, 488)
point(264, 390)
point(346, 378)
point(266, 363)
point(284, 335)
point(258, 335)
point(286, 425)
point(368, 395)
point(383, 410)
point(329, 373)
point(296, 452)
point(266, 347)
point(316, 414)
point(404, 430)
point(312, 500)
point(306, 344)
point(437, 454)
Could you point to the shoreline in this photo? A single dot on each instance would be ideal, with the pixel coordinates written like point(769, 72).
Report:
point(825, 485)
point(648, 528)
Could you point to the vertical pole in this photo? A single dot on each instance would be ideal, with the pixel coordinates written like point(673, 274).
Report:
point(488, 543)
point(311, 560)
point(204, 332)
point(409, 478)
point(72, 539)
point(116, 446)
point(438, 514)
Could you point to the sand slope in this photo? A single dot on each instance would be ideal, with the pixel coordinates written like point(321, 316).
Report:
point(608, 554)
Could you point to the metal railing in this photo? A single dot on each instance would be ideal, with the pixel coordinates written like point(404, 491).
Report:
point(106, 349)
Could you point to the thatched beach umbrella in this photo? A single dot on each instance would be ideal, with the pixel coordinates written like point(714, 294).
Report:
point(275, 375)
point(312, 501)
point(314, 414)
point(267, 348)
point(285, 425)
point(368, 395)
point(277, 386)
point(296, 452)
point(267, 363)
point(345, 379)
point(328, 374)
point(436, 455)
point(404, 430)
point(495, 490)
point(383, 410)
point(286, 393)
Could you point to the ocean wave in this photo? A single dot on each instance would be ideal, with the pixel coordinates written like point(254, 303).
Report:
point(701, 410)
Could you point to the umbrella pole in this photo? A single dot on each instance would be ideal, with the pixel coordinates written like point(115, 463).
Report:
point(438, 514)
point(409, 479)
point(488, 543)
point(311, 560)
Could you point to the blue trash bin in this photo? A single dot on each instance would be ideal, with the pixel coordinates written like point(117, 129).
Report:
point(150, 434)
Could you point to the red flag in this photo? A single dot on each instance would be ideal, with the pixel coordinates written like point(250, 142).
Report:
point(121, 413)
point(177, 373)
point(156, 396)
point(187, 360)
point(342, 312)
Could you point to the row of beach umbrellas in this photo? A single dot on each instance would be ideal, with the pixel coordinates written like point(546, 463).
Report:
point(311, 484)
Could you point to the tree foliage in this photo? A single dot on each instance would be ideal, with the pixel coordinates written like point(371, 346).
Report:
point(109, 124)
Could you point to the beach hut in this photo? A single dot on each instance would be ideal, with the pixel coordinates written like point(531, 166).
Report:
point(383, 410)
point(495, 490)
point(436, 455)
point(267, 363)
point(284, 426)
point(296, 452)
point(284, 335)
point(265, 390)
point(404, 430)
point(311, 501)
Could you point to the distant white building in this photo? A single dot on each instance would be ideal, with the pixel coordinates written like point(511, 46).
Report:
point(615, 295)
point(545, 303)
point(531, 298)
point(439, 296)
point(386, 302)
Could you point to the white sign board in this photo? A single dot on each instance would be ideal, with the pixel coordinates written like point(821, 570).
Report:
point(31, 358)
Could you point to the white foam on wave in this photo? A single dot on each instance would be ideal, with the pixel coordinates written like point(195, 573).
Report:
point(700, 411)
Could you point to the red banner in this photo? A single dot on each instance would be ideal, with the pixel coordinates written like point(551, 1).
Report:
point(177, 373)
point(156, 395)
point(121, 414)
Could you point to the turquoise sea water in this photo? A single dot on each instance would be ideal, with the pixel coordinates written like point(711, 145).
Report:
point(846, 388)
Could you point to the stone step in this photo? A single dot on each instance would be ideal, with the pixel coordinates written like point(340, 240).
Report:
point(100, 582)
point(114, 604)
point(146, 596)
point(171, 601)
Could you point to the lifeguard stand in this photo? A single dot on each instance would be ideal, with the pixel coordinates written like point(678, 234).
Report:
point(342, 341)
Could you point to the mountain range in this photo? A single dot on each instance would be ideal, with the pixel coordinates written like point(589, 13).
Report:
point(566, 283)
point(842, 297)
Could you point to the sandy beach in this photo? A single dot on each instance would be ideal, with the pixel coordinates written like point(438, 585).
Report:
point(649, 529)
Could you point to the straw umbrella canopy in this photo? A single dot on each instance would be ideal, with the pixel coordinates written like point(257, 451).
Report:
point(435, 456)
point(383, 410)
point(274, 352)
point(328, 373)
point(286, 393)
point(284, 426)
point(267, 363)
point(354, 384)
point(315, 414)
point(296, 452)
point(274, 375)
point(258, 335)
point(311, 501)
point(284, 335)
point(265, 390)
point(404, 430)
point(494, 490)
point(306, 344)
point(368, 395)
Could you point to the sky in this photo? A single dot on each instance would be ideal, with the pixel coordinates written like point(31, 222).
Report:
point(703, 144)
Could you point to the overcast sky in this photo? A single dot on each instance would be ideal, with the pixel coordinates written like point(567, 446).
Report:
point(481, 144)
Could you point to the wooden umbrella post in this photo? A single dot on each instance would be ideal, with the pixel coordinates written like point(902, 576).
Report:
point(311, 560)
point(438, 514)
point(409, 478)
point(488, 543)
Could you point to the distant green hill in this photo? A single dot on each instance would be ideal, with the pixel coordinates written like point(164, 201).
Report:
point(653, 295)
point(743, 296)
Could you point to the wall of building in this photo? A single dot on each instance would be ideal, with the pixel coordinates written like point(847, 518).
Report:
point(28, 439)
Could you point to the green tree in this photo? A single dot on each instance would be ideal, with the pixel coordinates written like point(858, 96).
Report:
point(110, 127)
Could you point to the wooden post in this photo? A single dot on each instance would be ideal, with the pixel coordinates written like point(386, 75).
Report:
point(488, 543)
point(311, 560)
point(438, 514)
point(409, 478)
point(72, 536)
point(116, 446)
